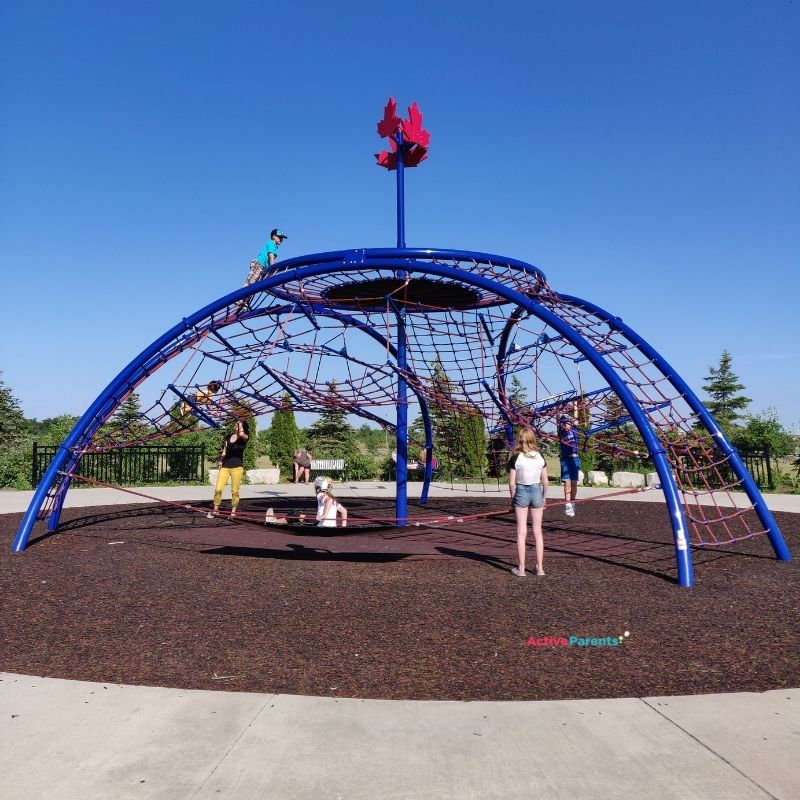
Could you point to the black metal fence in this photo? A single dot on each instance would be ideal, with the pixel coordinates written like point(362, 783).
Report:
point(131, 465)
point(758, 465)
point(757, 462)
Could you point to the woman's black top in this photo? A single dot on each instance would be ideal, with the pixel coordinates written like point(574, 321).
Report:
point(233, 453)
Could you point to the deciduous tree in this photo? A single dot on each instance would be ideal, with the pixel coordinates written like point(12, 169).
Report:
point(12, 420)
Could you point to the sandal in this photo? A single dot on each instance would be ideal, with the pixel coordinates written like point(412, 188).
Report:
point(520, 573)
point(540, 571)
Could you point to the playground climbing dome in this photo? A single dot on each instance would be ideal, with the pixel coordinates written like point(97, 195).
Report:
point(378, 332)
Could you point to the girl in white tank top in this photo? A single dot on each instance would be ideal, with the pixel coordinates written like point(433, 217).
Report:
point(527, 484)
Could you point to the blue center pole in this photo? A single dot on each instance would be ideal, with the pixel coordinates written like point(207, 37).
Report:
point(401, 495)
point(401, 212)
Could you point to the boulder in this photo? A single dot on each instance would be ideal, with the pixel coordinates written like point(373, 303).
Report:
point(271, 475)
point(627, 480)
point(597, 478)
point(652, 479)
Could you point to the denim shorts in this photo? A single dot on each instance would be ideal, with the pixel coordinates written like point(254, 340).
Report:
point(530, 496)
point(569, 468)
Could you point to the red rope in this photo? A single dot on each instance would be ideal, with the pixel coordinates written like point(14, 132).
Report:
point(422, 521)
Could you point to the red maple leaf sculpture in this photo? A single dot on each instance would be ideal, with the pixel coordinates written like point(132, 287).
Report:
point(388, 160)
point(412, 127)
point(390, 122)
point(415, 156)
point(414, 137)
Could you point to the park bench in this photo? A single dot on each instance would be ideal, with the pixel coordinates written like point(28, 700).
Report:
point(414, 469)
point(325, 466)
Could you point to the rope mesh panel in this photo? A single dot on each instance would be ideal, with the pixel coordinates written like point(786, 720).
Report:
point(329, 341)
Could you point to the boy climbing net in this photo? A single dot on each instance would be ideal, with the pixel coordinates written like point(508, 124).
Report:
point(266, 258)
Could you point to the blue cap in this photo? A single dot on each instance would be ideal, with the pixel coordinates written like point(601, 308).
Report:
point(279, 233)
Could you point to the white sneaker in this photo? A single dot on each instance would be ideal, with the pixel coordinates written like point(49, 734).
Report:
point(569, 509)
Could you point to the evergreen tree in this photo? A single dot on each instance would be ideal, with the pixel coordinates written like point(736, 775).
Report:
point(127, 425)
point(331, 436)
point(517, 393)
point(617, 446)
point(12, 420)
point(416, 438)
point(283, 437)
point(612, 409)
point(471, 459)
point(459, 433)
point(723, 387)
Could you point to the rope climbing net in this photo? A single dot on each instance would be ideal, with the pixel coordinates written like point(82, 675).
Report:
point(487, 346)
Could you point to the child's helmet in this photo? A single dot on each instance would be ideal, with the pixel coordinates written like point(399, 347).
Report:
point(322, 484)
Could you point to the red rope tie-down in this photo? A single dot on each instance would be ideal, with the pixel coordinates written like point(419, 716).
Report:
point(264, 518)
point(240, 516)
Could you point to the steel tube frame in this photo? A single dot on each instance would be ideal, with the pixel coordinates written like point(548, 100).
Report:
point(405, 259)
point(710, 424)
point(423, 404)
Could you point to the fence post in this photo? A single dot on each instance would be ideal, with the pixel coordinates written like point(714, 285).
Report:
point(202, 472)
point(34, 470)
point(767, 455)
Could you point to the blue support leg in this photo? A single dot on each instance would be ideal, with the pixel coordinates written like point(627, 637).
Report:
point(428, 473)
point(710, 424)
point(401, 497)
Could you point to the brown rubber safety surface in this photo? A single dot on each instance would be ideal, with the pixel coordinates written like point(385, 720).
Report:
point(160, 595)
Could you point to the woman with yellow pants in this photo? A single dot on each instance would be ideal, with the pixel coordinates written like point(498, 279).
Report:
point(231, 466)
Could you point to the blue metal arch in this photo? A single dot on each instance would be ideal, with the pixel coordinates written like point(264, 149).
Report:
point(152, 357)
point(414, 260)
point(72, 458)
point(709, 423)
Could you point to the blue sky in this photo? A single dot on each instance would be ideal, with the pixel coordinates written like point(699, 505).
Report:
point(642, 154)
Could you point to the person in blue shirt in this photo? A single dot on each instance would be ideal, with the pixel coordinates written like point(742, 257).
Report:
point(570, 461)
point(266, 258)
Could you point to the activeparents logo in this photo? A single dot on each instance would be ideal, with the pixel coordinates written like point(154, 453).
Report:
point(577, 641)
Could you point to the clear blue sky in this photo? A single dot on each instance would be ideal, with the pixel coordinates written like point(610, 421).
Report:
point(643, 154)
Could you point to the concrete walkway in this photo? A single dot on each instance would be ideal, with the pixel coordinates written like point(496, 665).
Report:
point(69, 739)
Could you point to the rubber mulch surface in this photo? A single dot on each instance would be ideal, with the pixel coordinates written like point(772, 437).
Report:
point(159, 595)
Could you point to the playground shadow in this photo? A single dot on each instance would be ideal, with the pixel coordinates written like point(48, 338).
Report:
point(635, 543)
point(297, 552)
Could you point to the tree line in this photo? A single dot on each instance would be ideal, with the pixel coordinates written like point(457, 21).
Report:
point(462, 446)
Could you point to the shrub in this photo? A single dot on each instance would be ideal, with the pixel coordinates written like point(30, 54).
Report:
point(15, 469)
point(361, 468)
